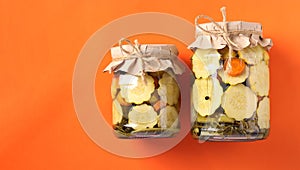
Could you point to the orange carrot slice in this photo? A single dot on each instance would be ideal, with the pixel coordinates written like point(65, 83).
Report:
point(236, 67)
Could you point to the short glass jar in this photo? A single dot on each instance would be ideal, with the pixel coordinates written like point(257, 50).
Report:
point(146, 96)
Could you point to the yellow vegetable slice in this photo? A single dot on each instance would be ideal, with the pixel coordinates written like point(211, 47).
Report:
point(205, 62)
point(239, 102)
point(121, 100)
point(259, 79)
point(114, 87)
point(136, 90)
point(117, 112)
point(168, 117)
point(266, 57)
point(206, 95)
point(263, 113)
point(252, 55)
point(225, 53)
point(225, 119)
point(168, 89)
point(154, 97)
point(142, 117)
point(202, 119)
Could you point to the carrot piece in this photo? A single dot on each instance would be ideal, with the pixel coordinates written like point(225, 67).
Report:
point(159, 105)
point(236, 67)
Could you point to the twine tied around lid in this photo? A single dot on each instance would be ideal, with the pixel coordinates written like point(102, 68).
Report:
point(136, 49)
point(136, 59)
point(223, 32)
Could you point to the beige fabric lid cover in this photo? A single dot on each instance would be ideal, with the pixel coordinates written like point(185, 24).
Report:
point(148, 58)
point(242, 33)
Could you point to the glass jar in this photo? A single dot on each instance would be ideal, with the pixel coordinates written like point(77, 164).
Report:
point(230, 94)
point(146, 96)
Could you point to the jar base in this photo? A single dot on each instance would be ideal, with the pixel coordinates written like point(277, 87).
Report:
point(214, 137)
point(147, 133)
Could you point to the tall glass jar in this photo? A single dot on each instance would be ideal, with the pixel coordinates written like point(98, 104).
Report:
point(230, 94)
point(146, 96)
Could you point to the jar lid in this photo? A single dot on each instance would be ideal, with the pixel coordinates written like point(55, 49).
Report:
point(236, 34)
point(233, 27)
point(158, 50)
point(136, 59)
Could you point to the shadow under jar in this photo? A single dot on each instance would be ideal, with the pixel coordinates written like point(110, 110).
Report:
point(146, 96)
point(230, 94)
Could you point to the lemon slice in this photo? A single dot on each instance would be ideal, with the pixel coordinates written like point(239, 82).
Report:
point(239, 102)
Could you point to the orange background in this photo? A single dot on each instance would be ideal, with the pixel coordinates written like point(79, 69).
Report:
point(39, 44)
